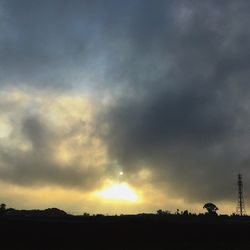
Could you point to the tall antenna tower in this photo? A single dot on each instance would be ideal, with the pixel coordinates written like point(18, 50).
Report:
point(240, 210)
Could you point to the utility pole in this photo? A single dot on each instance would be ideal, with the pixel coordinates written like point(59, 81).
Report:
point(240, 210)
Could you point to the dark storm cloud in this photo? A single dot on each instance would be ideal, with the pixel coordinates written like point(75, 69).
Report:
point(186, 111)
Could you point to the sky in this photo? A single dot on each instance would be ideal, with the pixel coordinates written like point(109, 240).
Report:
point(124, 106)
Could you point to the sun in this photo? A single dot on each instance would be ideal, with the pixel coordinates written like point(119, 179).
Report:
point(119, 192)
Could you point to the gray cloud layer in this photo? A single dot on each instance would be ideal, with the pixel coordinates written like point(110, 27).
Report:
point(188, 114)
point(177, 70)
point(39, 166)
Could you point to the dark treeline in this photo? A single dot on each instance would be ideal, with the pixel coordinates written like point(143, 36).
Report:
point(160, 214)
point(54, 229)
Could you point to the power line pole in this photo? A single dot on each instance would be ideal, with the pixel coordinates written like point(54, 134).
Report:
point(240, 210)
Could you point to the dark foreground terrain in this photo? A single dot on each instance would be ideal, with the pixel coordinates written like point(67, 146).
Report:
point(125, 232)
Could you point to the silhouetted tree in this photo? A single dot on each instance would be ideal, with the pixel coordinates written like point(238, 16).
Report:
point(211, 208)
point(2, 208)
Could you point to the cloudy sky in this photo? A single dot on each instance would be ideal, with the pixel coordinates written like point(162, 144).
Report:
point(124, 106)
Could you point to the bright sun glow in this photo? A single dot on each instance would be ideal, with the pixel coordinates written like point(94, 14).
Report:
point(119, 192)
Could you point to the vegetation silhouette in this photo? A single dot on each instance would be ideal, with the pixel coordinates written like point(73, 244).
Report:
point(53, 228)
point(211, 208)
point(2, 209)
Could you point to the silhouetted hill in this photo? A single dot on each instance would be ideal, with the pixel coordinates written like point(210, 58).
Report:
point(49, 212)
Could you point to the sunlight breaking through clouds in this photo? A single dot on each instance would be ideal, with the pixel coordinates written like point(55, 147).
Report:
point(118, 192)
point(157, 90)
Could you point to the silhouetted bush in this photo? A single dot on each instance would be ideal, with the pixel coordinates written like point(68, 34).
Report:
point(162, 212)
